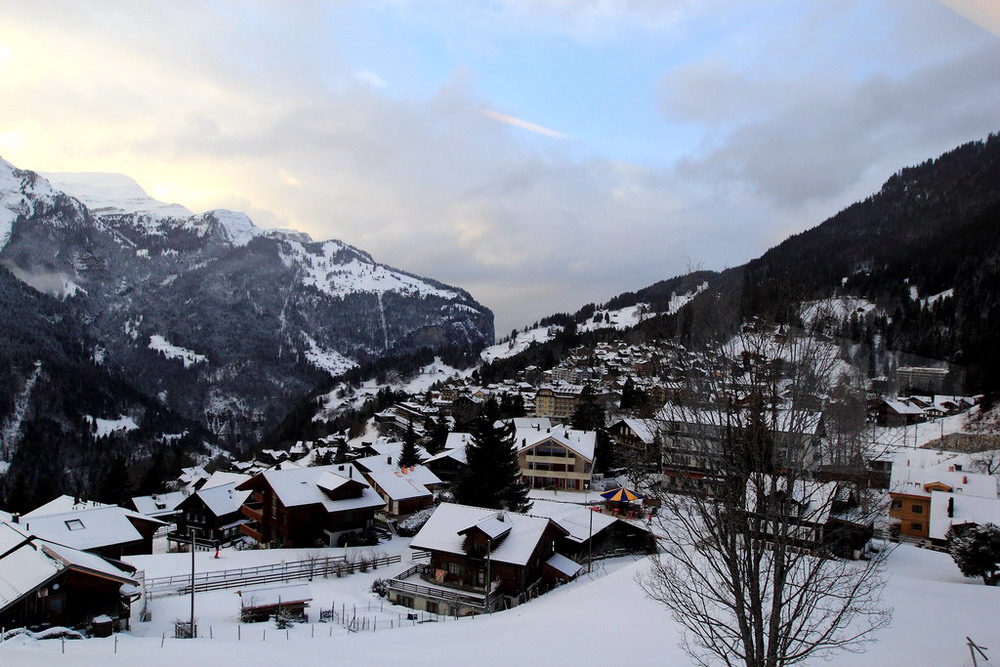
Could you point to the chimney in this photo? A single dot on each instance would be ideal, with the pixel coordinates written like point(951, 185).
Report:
point(350, 472)
point(16, 518)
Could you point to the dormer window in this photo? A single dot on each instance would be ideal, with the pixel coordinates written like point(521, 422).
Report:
point(74, 524)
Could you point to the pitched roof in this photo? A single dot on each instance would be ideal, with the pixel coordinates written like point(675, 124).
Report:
point(564, 565)
point(444, 532)
point(296, 487)
point(88, 528)
point(224, 499)
point(405, 483)
point(158, 504)
point(61, 505)
point(581, 522)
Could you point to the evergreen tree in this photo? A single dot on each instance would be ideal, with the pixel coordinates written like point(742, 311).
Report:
point(976, 551)
point(410, 456)
point(341, 455)
point(439, 436)
point(588, 414)
point(493, 478)
point(116, 487)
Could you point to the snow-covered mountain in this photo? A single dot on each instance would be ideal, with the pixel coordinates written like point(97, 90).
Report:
point(223, 321)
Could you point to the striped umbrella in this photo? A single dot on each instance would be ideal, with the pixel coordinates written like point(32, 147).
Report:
point(621, 495)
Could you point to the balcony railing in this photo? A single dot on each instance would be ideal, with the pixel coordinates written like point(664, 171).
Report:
point(253, 511)
point(440, 592)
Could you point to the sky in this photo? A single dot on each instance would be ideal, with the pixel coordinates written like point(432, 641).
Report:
point(542, 154)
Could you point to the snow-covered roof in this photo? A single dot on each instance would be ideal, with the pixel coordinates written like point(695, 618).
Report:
point(493, 526)
point(88, 528)
point(913, 470)
point(22, 571)
point(224, 499)
point(220, 478)
point(82, 560)
point(296, 487)
point(378, 463)
point(580, 521)
point(10, 536)
point(61, 505)
point(644, 429)
point(965, 509)
point(442, 532)
point(564, 565)
point(405, 483)
point(902, 407)
point(158, 504)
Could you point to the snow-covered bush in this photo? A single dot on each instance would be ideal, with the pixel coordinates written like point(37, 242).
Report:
point(412, 524)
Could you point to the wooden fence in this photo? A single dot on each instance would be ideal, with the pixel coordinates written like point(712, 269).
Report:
point(308, 568)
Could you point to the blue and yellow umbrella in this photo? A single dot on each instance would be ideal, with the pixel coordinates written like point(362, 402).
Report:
point(621, 495)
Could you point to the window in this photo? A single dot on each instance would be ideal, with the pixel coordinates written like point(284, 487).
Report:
point(74, 524)
point(917, 509)
point(455, 569)
point(916, 525)
point(432, 607)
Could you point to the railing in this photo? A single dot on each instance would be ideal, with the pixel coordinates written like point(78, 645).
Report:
point(302, 569)
point(433, 593)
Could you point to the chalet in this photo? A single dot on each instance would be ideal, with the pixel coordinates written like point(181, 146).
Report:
point(405, 490)
point(451, 462)
point(49, 583)
point(636, 440)
point(591, 533)
point(899, 412)
point(918, 476)
point(305, 507)
point(106, 530)
point(480, 560)
point(214, 514)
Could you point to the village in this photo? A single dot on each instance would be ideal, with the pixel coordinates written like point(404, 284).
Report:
point(355, 535)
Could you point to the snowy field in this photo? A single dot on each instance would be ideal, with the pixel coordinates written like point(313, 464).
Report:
point(600, 620)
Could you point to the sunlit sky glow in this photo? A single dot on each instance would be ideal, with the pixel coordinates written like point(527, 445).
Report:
point(540, 153)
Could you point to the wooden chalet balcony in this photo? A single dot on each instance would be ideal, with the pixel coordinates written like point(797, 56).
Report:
point(253, 511)
point(411, 582)
point(252, 530)
point(562, 460)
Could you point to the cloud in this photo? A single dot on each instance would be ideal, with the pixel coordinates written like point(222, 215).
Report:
point(790, 125)
point(371, 78)
point(523, 124)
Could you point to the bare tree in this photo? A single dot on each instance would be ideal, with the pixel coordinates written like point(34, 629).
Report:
point(752, 567)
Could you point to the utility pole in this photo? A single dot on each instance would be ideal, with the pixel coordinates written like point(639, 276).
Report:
point(489, 582)
point(590, 541)
point(191, 530)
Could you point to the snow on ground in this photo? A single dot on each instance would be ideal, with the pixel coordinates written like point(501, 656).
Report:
point(599, 620)
point(105, 427)
point(170, 351)
point(520, 343)
point(106, 193)
point(934, 298)
point(344, 397)
point(836, 307)
point(331, 361)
